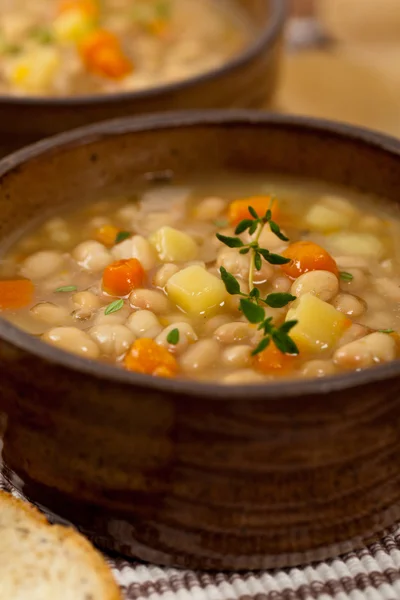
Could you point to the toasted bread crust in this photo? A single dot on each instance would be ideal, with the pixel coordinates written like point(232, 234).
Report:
point(69, 538)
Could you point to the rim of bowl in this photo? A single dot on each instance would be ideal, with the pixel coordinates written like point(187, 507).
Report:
point(266, 38)
point(160, 121)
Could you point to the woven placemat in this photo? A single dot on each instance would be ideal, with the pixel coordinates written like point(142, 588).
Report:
point(372, 573)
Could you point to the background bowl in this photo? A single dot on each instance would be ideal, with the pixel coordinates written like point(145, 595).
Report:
point(182, 473)
point(246, 81)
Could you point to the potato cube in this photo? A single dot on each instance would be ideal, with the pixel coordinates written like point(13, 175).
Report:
point(34, 72)
point(325, 219)
point(71, 26)
point(196, 291)
point(359, 244)
point(173, 245)
point(319, 325)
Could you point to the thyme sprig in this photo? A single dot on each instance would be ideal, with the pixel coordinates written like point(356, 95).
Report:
point(252, 304)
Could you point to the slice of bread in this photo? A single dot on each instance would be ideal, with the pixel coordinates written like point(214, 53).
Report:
point(39, 561)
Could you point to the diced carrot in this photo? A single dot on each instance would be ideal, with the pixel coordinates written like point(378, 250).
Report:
point(158, 27)
point(307, 256)
point(122, 276)
point(102, 54)
point(239, 209)
point(89, 8)
point(147, 357)
point(272, 360)
point(107, 235)
point(16, 293)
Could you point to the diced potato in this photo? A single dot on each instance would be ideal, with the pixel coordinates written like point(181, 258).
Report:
point(331, 213)
point(319, 325)
point(326, 219)
point(71, 26)
point(359, 244)
point(196, 291)
point(173, 245)
point(34, 72)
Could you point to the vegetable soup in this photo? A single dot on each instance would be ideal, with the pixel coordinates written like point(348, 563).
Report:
point(74, 47)
point(238, 280)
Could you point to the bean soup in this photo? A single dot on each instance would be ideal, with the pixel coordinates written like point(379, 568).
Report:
point(240, 280)
point(74, 47)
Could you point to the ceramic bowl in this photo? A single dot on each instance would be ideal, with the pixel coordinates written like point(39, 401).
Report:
point(183, 473)
point(246, 81)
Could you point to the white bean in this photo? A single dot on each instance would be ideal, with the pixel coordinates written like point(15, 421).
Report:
point(244, 376)
point(371, 223)
point(172, 318)
point(117, 318)
point(351, 262)
point(152, 300)
point(269, 240)
point(72, 340)
point(98, 222)
point(369, 350)
point(50, 313)
point(323, 284)
point(200, 356)
point(358, 282)
point(144, 324)
point(281, 284)
point(349, 305)
point(58, 231)
point(136, 247)
point(113, 340)
point(353, 333)
point(231, 333)
point(92, 256)
point(187, 335)
point(388, 287)
point(164, 273)
point(128, 214)
point(42, 264)
point(210, 208)
point(237, 356)
point(212, 324)
point(378, 319)
point(235, 263)
point(85, 304)
point(318, 368)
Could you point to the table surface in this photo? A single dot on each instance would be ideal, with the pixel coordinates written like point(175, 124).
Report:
point(355, 78)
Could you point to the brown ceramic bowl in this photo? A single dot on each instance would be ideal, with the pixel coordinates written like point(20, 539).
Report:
point(246, 81)
point(183, 473)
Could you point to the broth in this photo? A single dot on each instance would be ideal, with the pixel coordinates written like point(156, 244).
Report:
point(136, 281)
point(75, 47)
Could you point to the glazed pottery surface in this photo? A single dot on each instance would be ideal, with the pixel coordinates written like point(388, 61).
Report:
point(246, 81)
point(182, 473)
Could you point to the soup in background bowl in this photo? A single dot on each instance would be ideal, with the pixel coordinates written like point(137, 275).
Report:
point(188, 470)
point(77, 95)
point(80, 47)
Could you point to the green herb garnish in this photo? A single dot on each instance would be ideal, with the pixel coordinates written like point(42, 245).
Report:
point(345, 276)
point(121, 236)
point(221, 223)
point(173, 337)
point(163, 10)
point(386, 331)
point(114, 307)
point(42, 35)
point(11, 49)
point(66, 288)
point(252, 305)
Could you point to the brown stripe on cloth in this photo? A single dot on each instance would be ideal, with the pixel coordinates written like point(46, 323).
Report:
point(372, 573)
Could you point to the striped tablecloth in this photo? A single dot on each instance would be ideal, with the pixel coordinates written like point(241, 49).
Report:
point(372, 573)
